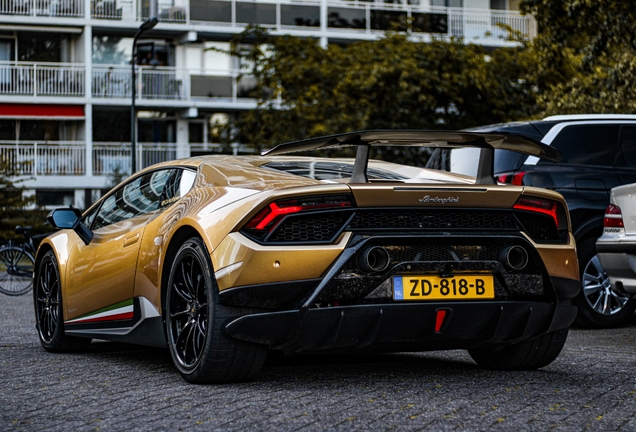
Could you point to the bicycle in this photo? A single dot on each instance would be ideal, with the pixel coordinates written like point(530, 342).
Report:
point(16, 264)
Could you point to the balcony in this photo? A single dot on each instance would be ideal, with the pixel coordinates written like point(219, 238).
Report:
point(167, 83)
point(115, 157)
point(43, 8)
point(362, 17)
point(41, 79)
point(161, 83)
point(68, 158)
point(171, 11)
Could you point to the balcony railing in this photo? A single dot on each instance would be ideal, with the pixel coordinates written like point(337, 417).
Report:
point(49, 8)
point(41, 79)
point(109, 158)
point(165, 83)
point(171, 83)
point(353, 16)
point(362, 17)
point(68, 158)
point(38, 158)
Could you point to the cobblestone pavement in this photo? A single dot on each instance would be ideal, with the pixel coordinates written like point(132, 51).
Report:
point(592, 386)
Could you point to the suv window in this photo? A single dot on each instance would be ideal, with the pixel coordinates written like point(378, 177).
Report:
point(587, 144)
point(628, 147)
point(506, 160)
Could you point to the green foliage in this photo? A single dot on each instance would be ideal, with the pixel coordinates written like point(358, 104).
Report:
point(585, 55)
point(15, 207)
point(394, 83)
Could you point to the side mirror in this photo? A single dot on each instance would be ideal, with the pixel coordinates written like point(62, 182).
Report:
point(70, 218)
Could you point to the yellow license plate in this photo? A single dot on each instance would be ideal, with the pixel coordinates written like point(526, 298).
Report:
point(458, 287)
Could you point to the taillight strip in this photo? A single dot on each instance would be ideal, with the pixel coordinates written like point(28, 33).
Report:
point(550, 212)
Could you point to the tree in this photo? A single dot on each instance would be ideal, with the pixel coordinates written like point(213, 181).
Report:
point(392, 83)
point(14, 204)
point(585, 55)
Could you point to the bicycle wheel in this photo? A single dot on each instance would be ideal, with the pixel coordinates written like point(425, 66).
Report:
point(16, 271)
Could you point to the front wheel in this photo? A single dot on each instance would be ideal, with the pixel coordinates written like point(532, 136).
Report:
point(16, 271)
point(527, 355)
point(49, 318)
point(600, 305)
point(195, 321)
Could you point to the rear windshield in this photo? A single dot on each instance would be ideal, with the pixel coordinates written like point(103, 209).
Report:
point(330, 170)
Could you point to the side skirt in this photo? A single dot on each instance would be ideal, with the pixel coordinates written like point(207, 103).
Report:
point(135, 321)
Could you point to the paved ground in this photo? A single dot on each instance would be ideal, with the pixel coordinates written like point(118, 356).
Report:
point(592, 386)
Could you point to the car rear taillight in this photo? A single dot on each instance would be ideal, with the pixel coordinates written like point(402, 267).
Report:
point(613, 217)
point(511, 178)
point(545, 206)
point(268, 217)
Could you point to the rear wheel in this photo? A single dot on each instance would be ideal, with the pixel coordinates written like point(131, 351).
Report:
point(527, 355)
point(600, 305)
point(47, 299)
point(195, 321)
point(16, 271)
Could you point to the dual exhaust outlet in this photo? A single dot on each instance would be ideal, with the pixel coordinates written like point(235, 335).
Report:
point(376, 259)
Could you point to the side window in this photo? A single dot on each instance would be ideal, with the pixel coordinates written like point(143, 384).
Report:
point(628, 147)
point(587, 144)
point(89, 218)
point(141, 195)
point(179, 184)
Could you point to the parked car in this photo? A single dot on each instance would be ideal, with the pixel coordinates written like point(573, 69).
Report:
point(617, 246)
point(222, 258)
point(599, 153)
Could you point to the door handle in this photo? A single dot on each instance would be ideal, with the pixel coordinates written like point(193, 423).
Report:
point(131, 240)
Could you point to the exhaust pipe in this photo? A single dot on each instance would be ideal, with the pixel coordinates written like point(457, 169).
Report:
point(374, 259)
point(514, 257)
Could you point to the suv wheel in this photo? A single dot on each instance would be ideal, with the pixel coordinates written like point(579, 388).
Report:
point(600, 305)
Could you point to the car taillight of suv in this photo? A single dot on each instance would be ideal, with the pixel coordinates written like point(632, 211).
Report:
point(511, 178)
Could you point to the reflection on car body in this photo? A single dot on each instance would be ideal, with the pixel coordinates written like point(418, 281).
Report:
point(222, 258)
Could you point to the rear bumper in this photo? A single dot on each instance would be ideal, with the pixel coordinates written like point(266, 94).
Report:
point(621, 270)
point(402, 327)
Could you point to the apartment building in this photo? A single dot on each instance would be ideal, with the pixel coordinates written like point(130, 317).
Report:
point(65, 74)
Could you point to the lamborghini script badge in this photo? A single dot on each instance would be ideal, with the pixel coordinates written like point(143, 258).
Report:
point(438, 200)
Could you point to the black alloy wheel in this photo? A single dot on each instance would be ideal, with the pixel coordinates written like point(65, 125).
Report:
point(188, 310)
point(47, 299)
point(195, 320)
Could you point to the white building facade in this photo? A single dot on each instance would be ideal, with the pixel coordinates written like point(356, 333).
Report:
point(65, 74)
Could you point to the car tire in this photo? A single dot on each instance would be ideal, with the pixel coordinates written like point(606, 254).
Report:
point(195, 322)
point(527, 355)
point(49, 315)
point(596, 290)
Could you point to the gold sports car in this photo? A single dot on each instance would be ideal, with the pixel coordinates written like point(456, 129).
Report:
point(222, 258)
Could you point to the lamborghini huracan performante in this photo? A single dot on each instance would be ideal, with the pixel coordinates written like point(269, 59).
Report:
point(224, 258)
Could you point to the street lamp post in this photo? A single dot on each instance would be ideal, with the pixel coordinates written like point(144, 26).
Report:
point(145, 26)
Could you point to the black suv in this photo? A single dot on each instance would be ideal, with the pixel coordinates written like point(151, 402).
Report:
point(599, 153)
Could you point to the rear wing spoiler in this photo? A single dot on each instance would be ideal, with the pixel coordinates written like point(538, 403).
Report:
point(363, 140)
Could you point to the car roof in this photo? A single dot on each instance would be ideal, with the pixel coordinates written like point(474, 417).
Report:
point(575, 117)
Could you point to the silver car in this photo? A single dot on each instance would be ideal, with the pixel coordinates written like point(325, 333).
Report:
point(617, 250)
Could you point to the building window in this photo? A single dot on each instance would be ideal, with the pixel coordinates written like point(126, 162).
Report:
point(448, 3)
point(498, 4)
point(45, 197)
point(39, 47)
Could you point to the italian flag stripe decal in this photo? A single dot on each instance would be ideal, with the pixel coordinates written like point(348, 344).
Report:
point(116, 312)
